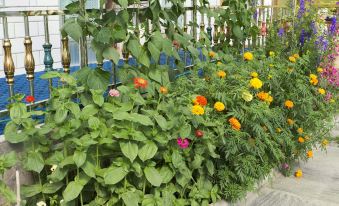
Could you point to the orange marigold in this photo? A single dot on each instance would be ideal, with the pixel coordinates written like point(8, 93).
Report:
point(300, 130)
point(309, 154)
point(201, 100)
point(163, 90)
point(235, 123)
point(298, 173)
point(290, 121)
point(289, 104)
point(140, 82)
point(301, 140)
point(263, 96)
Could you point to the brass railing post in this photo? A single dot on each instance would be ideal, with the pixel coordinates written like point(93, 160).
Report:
point(9, 67)
point(29, 59)
point(83, 39)
point(209, 29)
point(48, 59)
point(202, 26)
point(65, 54)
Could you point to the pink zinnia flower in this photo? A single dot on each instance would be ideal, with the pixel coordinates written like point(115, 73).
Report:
point(285, 166)
point(183, 142)
point(114, 93)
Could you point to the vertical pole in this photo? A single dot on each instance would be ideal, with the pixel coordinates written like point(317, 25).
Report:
point(83, 39)
point(29, 59)
point(202, 25)
point(9, 67)
point(209, 29)
point(48, 59)
point(194, 19)
point(65, 54)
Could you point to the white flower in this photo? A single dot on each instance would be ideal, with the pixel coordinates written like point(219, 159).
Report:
point(41, 203)
point(54, 167)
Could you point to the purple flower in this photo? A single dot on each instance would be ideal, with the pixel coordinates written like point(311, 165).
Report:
point(301, 11)
point(333, 25)
point(302, 37)
point(114, 93)
point(281, 32)
point(313, 27)
point(285, 166)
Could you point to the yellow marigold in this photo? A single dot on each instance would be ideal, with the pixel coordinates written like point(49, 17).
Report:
point(289, 104)
point(198, 110)
point(300, 130)
point(313, 76)
point(269, 99)
point(321, 91)
point(254, 74)
point(219, 106)
point(256, 83)
point(313, 79)
point(221, 74)
point(298, 173)
point(235, 123)
point(290, 70)
point(296, 56)
point(301, 140)
point(211, 54)
point(292, 59)
point(263, 96)
point(324, 142)
point(309, 154)
point(271, 53)
point(271, 65)
point(278, 130)
point(219, 63)
point(320, 70)
point(248, 56)
point(290, 121)
point(163, 90)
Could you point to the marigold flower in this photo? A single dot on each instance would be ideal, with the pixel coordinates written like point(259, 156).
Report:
point(278, 130)
point(321, 91)
point(183, 142)
point(140, 82)
point(309, 154)
point(235, 123)
point(221, 74)
point(289, 70)
point(247, 96)
point(198, 110)
point(114, 93)
point(290, 121)
point(248, 56)
point(289, 104)
point(298, 173)
point(313, 79)
point(271, 53)
point(296, 56)
point(269, 99)
point(254, 74)
point(300, 130)
point(263, 95)
point(256, 83)
point(320, 70)
point(219, 106)
point(324, 142)
point(292, 59)
point(201, 100)
point(219, 63)
point(271, 65)
point(301, 140)
point(211, 54)
point(163, 90)
point(30, 99)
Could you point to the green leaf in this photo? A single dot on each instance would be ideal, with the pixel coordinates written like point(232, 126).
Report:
point(147, 151)
point(156, 75)
point(114, 175)
point(60, 115)
point(237, 32)
point(161, 122)
point(72, 191)
point(155, 52)
point(123, 3)
point(88, 111)
point(134, 47)
point(98, 79)
point(50, 188)
point(129, 149)
point(143, 58)
point(7, 193)
point(153, 176)
point(89, 169)
point(112, 54)
point(98, 99)
point(35, 162)
point(79, 157)
point(130, 198)
point(8, 160)
point(73, 29)
point(31, 190)
point(103, 35)
point(17, 111)
point(166, 174)
point(93, 123)
point(50, 75)
point(142, 119)
point(185, 131)
point(210, 167)
point(197, 161)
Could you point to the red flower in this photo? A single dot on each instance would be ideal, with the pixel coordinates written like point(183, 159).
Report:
point(201, 100)
point(199, 133)
point(30, 99)
point(140, 82)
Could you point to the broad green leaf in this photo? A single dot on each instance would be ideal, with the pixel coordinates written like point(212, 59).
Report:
point(72, 191)
point(93, 123)
point(155, 52)
point(129, 149)
point(147, 151)
point(88, 111)
point(185, 131)
point(60, 115)
point(210, 167)
point(123, 3)
point(8, 160)
point(161, 122)
point(50, 75)
point(73, 29)
point(156, 75)
point(17, 111)
point(142, 119)
point(89, 169)
point(130, 198)
point(166, 174)
point(7, 193)
point(143, 58)
point(111, 54)
point(197, 161)
point(31, 190)
point(134, 47)
point(79, 157)
point(98, 79)
point(98, 99)
point(114, 175)
point(50, 188)
point(35, 162)
point(237, 32)
point(103, 35)
point(153, 176)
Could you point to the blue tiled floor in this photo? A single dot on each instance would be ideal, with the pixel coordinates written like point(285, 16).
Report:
point(21, 84)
